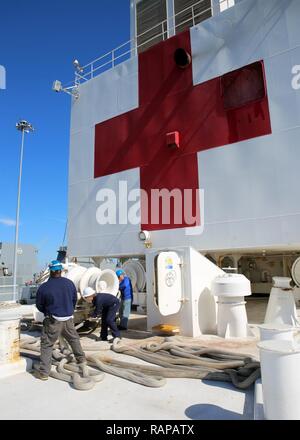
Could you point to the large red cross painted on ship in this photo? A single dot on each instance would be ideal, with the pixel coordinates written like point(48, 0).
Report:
point(216, 113)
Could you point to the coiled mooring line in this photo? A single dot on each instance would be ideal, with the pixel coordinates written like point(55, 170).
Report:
point(174, 359)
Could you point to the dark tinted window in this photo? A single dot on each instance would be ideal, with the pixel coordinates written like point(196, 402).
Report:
point(243, 86)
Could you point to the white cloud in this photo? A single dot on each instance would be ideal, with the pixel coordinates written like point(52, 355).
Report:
point(7, 222)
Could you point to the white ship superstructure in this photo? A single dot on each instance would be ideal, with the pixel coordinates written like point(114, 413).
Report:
point(184, 163)
point(235, 109)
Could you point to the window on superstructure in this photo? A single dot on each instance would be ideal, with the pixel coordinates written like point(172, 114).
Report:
point(191, 12)
point(243, 86)
point(225, 4)
point(151, 23)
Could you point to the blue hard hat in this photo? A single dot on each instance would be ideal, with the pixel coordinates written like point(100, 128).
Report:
point(55, 266)
point(120, 272)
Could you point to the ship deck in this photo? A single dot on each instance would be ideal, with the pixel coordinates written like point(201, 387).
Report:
point(25, 398)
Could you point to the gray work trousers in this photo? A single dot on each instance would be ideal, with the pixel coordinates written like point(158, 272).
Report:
point(52, 329)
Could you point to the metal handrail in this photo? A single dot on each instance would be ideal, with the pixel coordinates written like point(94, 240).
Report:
point(88, 71)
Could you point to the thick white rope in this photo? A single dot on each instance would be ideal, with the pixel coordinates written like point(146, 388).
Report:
point(174, 358)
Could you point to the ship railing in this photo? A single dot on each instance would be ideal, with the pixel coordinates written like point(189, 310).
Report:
point(132, 47)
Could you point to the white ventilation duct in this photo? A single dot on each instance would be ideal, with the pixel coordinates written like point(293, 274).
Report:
point(92, 276)
point(296, 272)
point(111, 281)
point(89, 278)
point(232, 319)
point(281, 305)
point(84, 277)
point(74, 273)
point(135, 270)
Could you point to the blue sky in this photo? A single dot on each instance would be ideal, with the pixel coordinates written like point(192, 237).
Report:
point(38, 42)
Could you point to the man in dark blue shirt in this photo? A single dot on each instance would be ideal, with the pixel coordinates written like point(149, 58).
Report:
point(56, 299)
point(126, 297)
point(106, 305)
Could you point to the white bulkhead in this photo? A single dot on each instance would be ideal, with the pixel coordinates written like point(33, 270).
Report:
point(250, 187)
point(179, 291)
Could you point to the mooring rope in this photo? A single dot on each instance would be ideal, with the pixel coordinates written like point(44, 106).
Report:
point(174, 359)
point(211, 364)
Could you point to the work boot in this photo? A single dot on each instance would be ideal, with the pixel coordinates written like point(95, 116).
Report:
point(116, 340)
point(83, 368)
point(39, 375)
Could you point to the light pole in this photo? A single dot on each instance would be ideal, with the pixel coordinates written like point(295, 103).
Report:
point(24, 127)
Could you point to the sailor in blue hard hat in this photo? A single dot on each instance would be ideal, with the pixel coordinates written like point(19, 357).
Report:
point(120, 272)
point(126, 298)
point(56, 299)
point(55, 266)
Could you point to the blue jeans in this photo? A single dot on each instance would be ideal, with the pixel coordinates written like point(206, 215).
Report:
point(125, 312)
